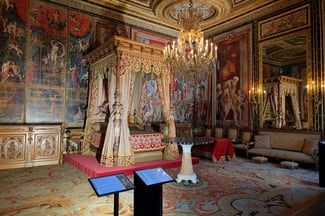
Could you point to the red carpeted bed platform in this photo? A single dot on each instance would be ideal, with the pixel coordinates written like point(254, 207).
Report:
point(89, 165)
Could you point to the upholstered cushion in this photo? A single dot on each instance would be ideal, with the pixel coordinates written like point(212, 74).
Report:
point(240, 146)
point(246, 137)
point(232, 134)
point(282, 154)
point(287, 140)
point(218, 133)
point(262, 141)
point(311, 146)
point(259, 159)
point(289, 164)
point(207, 132)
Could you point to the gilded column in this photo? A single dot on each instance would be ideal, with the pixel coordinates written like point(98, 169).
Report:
point(318, 58)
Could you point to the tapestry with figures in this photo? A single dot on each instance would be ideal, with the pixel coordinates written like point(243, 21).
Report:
point(43, 73)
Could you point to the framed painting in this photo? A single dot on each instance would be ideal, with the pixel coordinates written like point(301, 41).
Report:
point(233, 78)
point(149, 38)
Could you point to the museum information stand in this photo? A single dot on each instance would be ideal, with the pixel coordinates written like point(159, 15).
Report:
point(148, 200)
point(321, 163)
point(113, 184)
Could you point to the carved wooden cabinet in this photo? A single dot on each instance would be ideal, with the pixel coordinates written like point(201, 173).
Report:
point(30, 145)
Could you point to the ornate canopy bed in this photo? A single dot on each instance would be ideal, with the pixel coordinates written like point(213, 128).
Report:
point(119, 71)
point(281, 102)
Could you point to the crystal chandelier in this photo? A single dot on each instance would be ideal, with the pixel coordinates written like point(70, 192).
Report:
point(191, 57)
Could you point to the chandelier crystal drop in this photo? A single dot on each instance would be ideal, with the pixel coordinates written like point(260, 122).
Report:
point(191, 57)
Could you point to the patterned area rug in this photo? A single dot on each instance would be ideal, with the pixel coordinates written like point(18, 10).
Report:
point(233, 188)
point(243, 188)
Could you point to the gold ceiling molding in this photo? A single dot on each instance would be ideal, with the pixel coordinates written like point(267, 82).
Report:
point(257, 9)
point(218, 9)
point(156, 14)
point(131, 7)
point(144, 20)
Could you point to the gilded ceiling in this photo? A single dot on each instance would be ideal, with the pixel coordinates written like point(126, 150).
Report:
point(286, 51)
point(219, 14)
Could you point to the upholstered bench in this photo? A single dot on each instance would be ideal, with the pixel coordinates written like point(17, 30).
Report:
point(298, 146)
point(259, 159)
point(289, 164)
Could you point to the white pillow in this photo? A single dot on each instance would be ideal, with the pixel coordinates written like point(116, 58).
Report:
point(310, 147)
point(262, 141)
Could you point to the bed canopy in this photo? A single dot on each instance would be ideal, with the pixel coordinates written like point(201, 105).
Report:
point(113, 68)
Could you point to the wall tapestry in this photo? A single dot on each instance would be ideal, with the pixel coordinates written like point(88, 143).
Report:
point(233, 78)
point(150, 104)
point(12, 59)
point(80, 36)
point(42, 62)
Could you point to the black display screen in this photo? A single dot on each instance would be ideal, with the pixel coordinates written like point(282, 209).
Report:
point(110, 184)
point(154, 176)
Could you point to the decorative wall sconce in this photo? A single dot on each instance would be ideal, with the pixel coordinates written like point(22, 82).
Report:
point(314, 95)
point(254, 96)
point(316, 99)
point(254, 99)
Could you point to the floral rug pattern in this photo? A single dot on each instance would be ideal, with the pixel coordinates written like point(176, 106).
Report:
point(238, 187)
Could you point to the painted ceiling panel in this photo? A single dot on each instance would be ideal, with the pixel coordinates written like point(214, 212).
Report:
point(218, 12)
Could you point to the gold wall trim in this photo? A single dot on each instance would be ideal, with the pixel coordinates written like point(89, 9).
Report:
point(284, 23)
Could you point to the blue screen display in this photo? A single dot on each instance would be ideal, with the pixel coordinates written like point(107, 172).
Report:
point(154, 176)
point(110, 184)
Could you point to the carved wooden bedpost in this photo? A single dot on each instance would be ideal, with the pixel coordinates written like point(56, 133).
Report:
point(117, 109)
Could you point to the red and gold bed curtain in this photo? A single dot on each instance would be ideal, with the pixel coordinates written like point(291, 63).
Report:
point(164, 80)
point(97, 97)
point(127, 64)
point(119, 135)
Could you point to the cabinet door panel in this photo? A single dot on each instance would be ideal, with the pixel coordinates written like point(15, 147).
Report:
point(12, 147)
point(46, 146)
point(29, 145)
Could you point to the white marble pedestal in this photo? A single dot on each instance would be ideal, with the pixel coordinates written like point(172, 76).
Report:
point(187, 173)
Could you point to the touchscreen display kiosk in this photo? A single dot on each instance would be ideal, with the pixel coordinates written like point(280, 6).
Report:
point(110, 184)
point(154, 176)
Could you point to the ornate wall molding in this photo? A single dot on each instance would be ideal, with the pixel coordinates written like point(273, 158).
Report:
point(284, 23)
